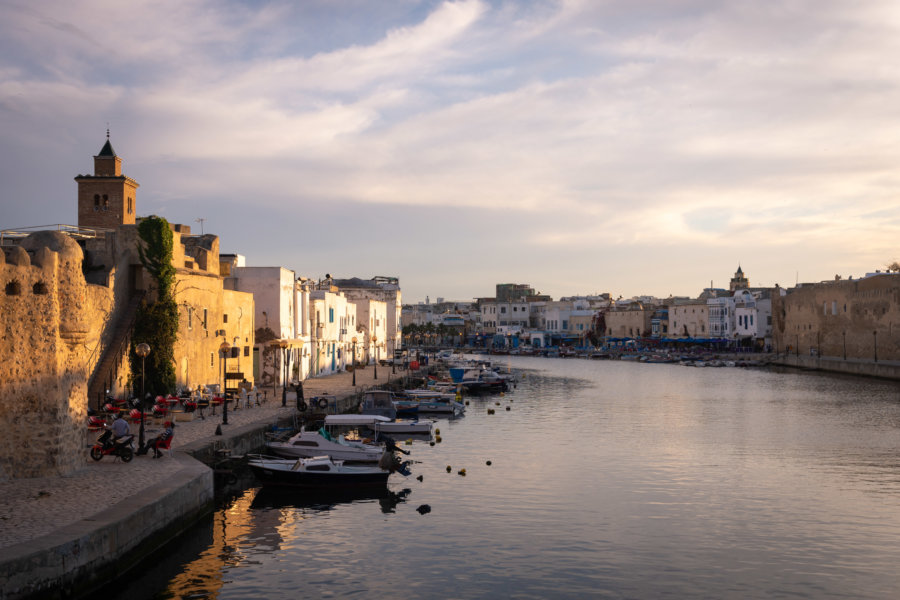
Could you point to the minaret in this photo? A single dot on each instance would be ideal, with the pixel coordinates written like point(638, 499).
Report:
point(739, 282)
point(106, 199)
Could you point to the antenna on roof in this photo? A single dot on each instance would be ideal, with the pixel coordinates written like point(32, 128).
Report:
point(201, 220)
point(107, 130)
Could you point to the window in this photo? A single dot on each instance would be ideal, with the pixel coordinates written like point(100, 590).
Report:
point(331, 315)
point(751, 320)
point(225, 318)
point(105, 202)
point(503, 309)
point(40, 288)
point(246, 350)
point(96, 201)
point(212, 359)
point(834, 307)
point(13, 288)
point(190, 317)
point(205, 319)
point(130, 206)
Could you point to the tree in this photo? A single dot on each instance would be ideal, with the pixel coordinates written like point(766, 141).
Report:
point(894, 267)
point(156, 322)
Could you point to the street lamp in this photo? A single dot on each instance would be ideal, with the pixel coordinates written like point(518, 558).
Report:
point(224, 348)
point(375, 342)
point(875, 344)
point(354, 360)
point(284, 371)
point(142, 350)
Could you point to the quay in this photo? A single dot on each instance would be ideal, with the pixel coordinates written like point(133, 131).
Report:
point(62, 537)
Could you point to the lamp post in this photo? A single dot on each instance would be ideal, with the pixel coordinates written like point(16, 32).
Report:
point(354, 360)
point(375, 342)
point(224, 348)
point(142, 350)
point(844, 334)
point(284, 372)
point(875, 344)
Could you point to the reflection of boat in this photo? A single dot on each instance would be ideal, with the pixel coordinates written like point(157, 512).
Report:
point(380, 403)
point(314, 472)
point(326, 498)
point(318, 443)
point(379, 424)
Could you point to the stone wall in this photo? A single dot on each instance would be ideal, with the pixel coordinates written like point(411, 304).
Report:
point(50, 325)
point(851, 319)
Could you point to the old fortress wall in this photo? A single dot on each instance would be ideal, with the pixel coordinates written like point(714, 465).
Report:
point(51, 328)
point(844, 319)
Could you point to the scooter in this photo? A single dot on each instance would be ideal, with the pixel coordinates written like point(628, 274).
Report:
point(123, 447)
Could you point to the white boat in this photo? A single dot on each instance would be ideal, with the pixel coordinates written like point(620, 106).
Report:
point(307, 444)
point(316, 471)
point(380, 424)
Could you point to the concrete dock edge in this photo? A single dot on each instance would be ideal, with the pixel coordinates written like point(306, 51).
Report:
point(70, 562)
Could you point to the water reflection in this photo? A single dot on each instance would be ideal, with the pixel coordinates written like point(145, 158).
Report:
point(326, 499)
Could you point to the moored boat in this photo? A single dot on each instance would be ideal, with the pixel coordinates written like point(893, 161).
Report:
point(316, 471)
point(307, 444)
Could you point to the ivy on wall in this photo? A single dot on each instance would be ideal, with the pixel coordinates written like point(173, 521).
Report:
point(156, 322)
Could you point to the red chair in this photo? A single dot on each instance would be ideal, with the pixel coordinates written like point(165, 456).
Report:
point(96, 423)
point(165, 445)
point(135, 415)
point(160, 410)
point(216, 401)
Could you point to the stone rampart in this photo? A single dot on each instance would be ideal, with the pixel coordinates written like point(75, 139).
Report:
point(50, 325)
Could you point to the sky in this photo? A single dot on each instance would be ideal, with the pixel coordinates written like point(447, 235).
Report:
point(579, 146)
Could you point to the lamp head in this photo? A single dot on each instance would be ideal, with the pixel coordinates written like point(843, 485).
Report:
point(142, 350)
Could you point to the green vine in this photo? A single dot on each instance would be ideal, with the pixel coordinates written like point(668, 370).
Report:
point(156, 322)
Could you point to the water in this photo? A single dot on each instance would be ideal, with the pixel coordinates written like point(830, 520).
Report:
point(608, 480)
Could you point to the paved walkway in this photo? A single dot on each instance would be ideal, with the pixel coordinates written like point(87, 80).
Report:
point(30, 508)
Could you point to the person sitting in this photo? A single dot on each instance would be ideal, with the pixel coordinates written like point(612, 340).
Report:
point(158, 441)
point(120, 428)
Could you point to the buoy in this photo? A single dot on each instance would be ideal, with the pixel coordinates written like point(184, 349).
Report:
point(437, 438)
point(462, 472)
point(420, 478)
point(437, 432)
point(490, 411)
point(449, 468)
point(507, 408)
point(488, 463)
point(431, 443)
point(424, 509)
point(502, 394)
point(467, 402)
point(409, 442)
point(218, 430)
point(497, 403)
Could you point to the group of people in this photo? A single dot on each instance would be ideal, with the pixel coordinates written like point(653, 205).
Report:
point(120, 429)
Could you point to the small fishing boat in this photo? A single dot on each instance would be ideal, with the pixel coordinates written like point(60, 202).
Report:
point(437, 404)
point(380, 424)
point(307, 444)
point(317, 471)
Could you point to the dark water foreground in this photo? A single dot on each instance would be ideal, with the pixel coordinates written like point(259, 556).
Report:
point(608, 479)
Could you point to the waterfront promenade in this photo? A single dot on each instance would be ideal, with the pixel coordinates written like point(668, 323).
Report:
point(43, 514)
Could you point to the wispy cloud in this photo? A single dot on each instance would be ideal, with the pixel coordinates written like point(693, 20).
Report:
point(722, 129)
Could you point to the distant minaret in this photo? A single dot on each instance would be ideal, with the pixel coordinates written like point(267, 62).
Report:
point(739, 282)
point(106, 199)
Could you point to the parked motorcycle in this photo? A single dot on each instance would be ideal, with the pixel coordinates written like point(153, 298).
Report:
point(123, 447)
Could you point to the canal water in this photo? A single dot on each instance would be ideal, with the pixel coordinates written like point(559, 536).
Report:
point(608, 479)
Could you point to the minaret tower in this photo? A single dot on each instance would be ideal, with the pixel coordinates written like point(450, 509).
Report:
point(106, 199)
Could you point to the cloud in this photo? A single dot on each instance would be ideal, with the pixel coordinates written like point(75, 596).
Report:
point(703, 124)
